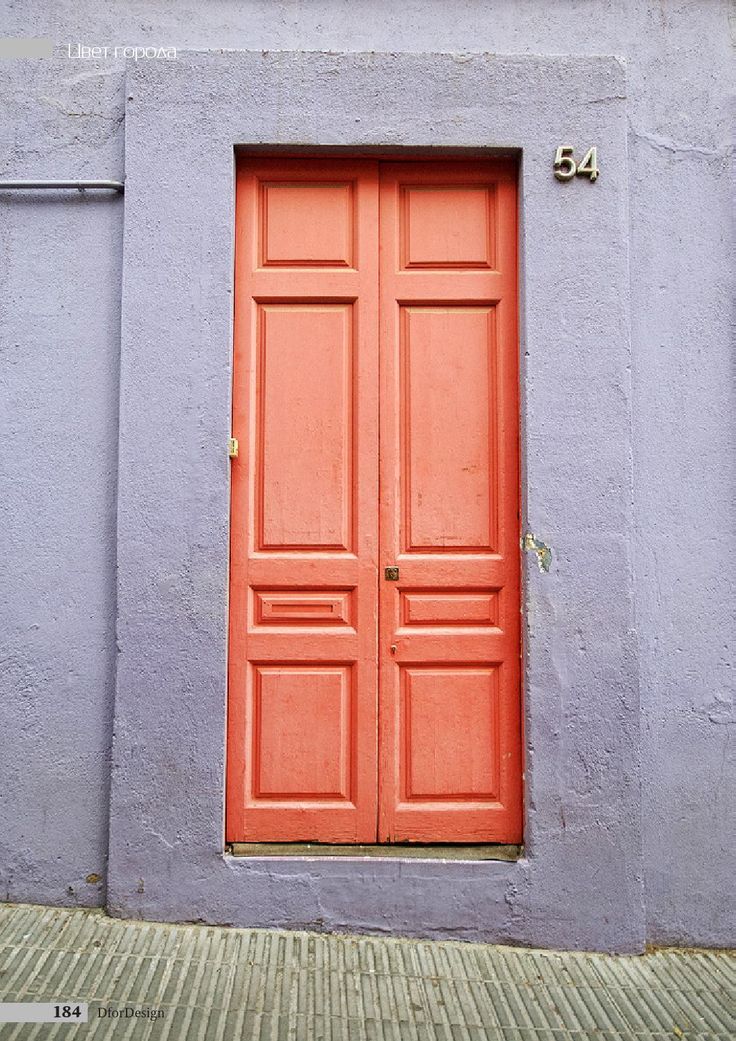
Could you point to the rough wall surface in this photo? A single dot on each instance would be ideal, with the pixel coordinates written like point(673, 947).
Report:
point(60, 267)
point(60, 270)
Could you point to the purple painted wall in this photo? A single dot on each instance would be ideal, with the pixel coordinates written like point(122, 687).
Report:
point(60, 271)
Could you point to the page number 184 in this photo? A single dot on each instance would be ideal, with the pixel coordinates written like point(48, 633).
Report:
point(67, 1012)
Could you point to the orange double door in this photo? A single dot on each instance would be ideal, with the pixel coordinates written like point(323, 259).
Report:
point(374, 645)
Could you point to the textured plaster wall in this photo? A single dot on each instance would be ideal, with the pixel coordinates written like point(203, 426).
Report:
point(60, 265)
point(60, 271)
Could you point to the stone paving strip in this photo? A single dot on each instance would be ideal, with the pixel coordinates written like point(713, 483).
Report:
point(208, 983)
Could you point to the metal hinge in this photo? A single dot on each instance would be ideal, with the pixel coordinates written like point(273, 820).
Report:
point(232, 447)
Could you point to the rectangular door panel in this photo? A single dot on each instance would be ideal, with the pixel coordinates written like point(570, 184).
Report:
point(449, 719)
point(303, 608)
point(447, 226)
point(449, 733)
point(447, 373)
point(288, 763)
point(307, 223)
point(303, 472)
point(302, 719)
point(447, 607)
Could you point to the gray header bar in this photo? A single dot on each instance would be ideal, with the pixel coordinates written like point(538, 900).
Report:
point(25, 47)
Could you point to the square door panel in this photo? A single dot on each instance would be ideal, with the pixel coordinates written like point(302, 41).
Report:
point(306, 224)
point(448, 227)
point(449, 740)
point(303, 732)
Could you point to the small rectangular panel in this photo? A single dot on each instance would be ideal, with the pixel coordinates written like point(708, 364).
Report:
point(303, 732)
point(472, 608)
point(449, 739)
point(448, 440)
point(448, 226)
point(307, 224)
point(302, 607)
point(305, 435)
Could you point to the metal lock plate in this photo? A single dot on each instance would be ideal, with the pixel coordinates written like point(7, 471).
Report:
point(391, 574)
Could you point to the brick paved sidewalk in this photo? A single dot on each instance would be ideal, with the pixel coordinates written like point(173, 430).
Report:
point(213, 983)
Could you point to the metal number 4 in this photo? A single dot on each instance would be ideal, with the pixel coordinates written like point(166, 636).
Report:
point(566, 168)
point(589, 166)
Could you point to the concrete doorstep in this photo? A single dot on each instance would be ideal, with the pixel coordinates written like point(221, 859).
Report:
point(146, 980)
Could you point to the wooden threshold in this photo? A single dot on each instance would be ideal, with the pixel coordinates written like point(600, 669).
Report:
point(412, 852)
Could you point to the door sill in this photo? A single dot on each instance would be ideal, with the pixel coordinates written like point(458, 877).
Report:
point(413, 852)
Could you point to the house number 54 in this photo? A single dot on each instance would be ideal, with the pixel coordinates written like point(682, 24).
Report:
point(566, 168)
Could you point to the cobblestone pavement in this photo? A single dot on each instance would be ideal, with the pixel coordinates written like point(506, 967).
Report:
point(201, 982)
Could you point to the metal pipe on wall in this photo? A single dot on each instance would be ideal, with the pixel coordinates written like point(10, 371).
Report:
point(115, 186)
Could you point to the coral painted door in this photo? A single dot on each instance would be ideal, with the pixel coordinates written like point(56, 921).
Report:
point(450, 757)
point(342, 729)
point(303, 697)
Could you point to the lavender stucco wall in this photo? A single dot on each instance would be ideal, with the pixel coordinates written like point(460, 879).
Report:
point(61, 268)
point(60, 271)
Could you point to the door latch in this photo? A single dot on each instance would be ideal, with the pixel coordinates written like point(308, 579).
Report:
point(233, 447)
point(391, 574)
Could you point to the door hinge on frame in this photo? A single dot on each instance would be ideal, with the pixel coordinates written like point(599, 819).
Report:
point(233, 447)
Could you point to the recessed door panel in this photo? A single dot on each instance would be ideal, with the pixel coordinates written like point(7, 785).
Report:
point(307, 223)
point(449, 733)
point(304, 386)
point(446, 226)
point(288, 764)
point(302, 607)
point(447, 607)
point(447, 379)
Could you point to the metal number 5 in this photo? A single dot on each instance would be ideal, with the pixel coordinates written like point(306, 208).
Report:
point(565, 166)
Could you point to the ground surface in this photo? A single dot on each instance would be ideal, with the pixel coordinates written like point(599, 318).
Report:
point(213, 983)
